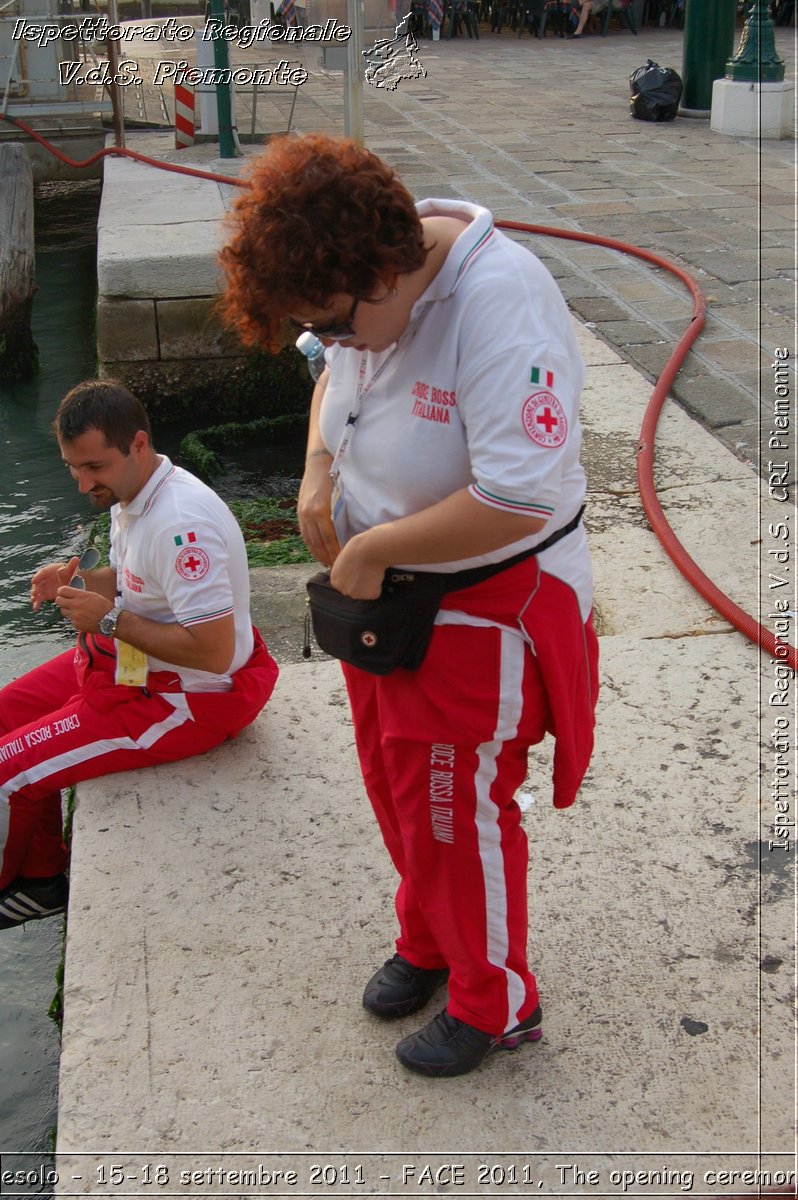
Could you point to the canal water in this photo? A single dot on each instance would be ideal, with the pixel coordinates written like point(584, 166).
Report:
point(42, 518)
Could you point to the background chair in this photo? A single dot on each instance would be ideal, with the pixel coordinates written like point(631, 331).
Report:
point(504, 12)
point(558, 13)
point(664, 12)
point(419, 19)
point(531, 17)
point(463, 14)
point(622, 9)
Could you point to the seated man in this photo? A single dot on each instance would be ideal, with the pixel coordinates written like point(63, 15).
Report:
point(167, 662)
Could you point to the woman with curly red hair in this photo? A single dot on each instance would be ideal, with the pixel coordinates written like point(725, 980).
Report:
point(444, 438)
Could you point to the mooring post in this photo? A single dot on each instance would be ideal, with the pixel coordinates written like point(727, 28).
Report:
point(708, 42)
point(224, 102)
point(18, 354)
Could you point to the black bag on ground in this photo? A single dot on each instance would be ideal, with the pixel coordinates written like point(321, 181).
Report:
point(655, 92)
point(377, 635)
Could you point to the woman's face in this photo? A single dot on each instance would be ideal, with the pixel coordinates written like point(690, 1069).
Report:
point(362, 323)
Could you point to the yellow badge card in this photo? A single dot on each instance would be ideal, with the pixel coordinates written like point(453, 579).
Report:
point(131, 665)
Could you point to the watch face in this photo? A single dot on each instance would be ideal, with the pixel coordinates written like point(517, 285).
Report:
point(108, 622)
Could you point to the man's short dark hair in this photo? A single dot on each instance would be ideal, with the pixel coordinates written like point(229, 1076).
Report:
point(102, 404)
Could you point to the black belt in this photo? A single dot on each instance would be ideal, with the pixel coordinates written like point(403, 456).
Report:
point(455, 580)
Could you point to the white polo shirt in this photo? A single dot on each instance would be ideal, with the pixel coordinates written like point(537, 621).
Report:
point(179, 556)
point(481, 391)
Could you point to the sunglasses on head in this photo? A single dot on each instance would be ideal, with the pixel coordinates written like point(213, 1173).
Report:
point(339, 331)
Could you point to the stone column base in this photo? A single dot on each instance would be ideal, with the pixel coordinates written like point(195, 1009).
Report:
point(752, 109)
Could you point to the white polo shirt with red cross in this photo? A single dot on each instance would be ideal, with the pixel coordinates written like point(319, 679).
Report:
point(481, 391)
point(179, 555)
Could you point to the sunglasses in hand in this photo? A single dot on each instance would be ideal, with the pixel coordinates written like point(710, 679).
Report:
point(88, 559)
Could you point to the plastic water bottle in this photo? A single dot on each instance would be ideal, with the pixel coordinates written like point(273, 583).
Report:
point(308, 344)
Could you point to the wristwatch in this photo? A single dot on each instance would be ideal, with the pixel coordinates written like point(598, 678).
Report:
point(108, 623)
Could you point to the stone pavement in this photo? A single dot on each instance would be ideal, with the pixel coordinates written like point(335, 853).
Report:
point(226, 911)
point(540, 132)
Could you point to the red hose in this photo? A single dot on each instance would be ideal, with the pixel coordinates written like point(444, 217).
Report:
point(120, 152)
point(736, 616)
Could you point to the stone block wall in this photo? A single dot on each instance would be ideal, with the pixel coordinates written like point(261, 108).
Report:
point(169, 351)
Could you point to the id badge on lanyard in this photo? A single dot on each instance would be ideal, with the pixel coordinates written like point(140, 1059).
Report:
point(338, 499)
point(338, 509)
point(131, 663)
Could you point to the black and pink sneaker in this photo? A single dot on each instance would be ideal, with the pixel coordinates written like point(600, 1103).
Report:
point(399, 989)
point(448, 1046)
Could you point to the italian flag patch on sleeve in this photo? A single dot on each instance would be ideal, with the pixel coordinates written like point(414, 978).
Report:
point(541, 375)
point(185, 539)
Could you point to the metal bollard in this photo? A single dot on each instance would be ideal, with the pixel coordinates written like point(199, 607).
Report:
point(708, 42)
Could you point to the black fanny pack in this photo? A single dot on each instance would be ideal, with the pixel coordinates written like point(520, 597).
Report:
point(394, 630)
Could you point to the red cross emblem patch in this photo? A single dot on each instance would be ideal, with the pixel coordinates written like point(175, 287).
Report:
point(544, 420)
point(192, 563)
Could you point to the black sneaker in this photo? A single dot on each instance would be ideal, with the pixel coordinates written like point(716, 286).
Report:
point(399, 989)
point(32, 899)
point(447, 1046)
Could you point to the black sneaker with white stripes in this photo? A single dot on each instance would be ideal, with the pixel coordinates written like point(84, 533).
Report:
point(32, 900)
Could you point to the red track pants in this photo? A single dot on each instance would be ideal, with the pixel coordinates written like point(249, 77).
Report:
point(67, 721)
point(443, 752)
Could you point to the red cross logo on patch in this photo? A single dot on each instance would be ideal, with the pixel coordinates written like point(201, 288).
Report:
point(544, 420)
point(192, 563)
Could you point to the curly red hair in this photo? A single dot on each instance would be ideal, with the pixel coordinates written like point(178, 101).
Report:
point(321, 216)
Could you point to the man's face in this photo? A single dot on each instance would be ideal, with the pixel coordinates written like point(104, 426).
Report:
point(103, 472)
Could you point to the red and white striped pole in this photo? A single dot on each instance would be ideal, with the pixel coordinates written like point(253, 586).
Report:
point(184, 115)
